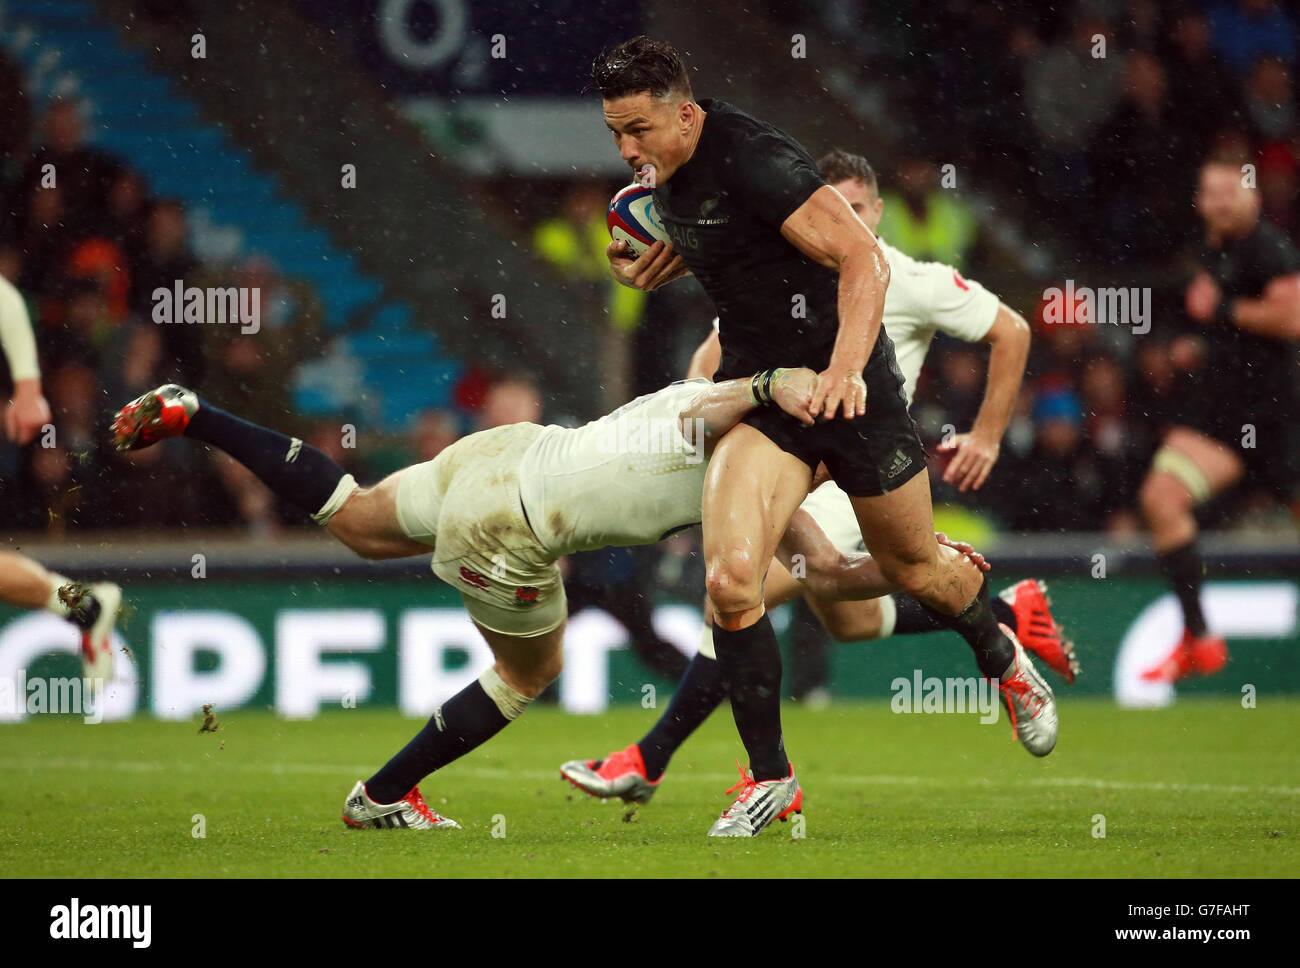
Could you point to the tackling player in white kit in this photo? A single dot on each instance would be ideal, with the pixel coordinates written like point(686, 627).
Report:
point(498, 508)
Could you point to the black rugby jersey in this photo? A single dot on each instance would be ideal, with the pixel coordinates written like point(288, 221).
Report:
point(1262, 367)
point(723, 210)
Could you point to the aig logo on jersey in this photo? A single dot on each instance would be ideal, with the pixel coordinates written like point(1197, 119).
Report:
point(682, 236)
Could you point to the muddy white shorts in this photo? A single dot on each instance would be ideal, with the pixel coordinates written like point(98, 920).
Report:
point(465, 502)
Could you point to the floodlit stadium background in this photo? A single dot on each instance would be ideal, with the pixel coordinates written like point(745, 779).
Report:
point(417, 192)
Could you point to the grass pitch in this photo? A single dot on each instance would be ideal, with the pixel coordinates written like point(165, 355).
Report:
point(1202, 789)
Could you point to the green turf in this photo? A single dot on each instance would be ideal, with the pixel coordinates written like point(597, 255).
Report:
point(1205, 788)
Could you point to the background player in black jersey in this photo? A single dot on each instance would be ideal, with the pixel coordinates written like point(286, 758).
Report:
point(1244, 305)
point(795, 276)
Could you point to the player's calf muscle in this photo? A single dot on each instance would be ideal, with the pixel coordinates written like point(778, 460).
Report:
point(1167, 507)
point(948, 582)
point(527, 665)
point(367, 523)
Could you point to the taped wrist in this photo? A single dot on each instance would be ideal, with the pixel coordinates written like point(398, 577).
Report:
point(760, 387)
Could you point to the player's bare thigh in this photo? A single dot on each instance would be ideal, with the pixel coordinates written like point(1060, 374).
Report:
point(751, 490)
point(528, 664)
point(1188, 469)
point(898, 528)
point(367, 523)
point(1215, 460)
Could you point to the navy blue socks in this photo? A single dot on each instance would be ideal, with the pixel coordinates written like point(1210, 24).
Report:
point(296, 472)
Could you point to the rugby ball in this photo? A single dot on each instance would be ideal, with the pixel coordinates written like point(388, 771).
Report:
point(632, 218)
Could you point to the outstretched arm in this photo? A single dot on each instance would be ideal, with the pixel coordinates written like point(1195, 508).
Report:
point(721, 406)
point(977, 451)
point(28, 412)
point(1276, 313)
point(830, 575)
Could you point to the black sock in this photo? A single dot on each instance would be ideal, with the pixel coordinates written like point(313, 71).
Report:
point(750, 660)
point(978, 626)
point(1004, 613)
point(466, 720)
point(296, 472)
point(700, 692)
point(914, 618)
point(1185, 572)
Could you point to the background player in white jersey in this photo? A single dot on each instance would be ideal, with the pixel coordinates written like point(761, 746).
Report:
point(498, 508)
point(923, 298)
point(24, 582)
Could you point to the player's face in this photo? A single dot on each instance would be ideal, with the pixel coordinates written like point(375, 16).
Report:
point(1224, 202)
point(862, 199)
point(652, 131)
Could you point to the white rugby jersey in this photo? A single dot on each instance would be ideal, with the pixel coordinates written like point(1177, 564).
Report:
point(629, 478)
point(925, 298)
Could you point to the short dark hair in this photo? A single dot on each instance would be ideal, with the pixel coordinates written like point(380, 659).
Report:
point(838, 165)
point(640, 64)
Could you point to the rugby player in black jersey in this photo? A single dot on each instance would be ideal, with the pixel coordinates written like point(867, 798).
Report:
point(796, 277)
point(1237, 399)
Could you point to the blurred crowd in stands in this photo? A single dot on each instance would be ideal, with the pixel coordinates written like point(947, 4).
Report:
point(87, 245)
point(1088, 119)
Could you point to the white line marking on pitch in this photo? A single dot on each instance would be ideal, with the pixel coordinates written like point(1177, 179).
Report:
point(679, 777)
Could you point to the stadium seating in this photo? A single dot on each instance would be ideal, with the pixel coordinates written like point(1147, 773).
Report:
point(138, 114)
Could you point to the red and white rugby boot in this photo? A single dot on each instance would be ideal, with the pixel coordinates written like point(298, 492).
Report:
point(620, 774)
point(1037, 629)
point(1193, 655)
point(153, 416)
point(94, 608)
point(759, 803)
point(1029, 701)
point(411, 812)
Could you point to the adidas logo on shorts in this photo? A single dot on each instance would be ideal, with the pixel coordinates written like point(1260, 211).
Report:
point(901, 463)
